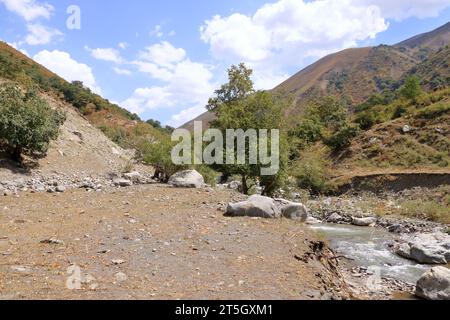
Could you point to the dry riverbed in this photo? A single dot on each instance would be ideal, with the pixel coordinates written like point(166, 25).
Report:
point(155, 242)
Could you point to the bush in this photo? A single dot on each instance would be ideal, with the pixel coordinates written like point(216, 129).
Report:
point(434, 111)
point(27, 123)
point(158, 155)
point(311, 173)
point(411, 89)
point(343, 137)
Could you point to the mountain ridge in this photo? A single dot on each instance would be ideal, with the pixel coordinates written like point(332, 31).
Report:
point(355, 73)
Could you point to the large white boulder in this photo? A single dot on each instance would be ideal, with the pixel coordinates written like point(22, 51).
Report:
point(292, 210)
point(435, 284)
point(254, 206)
point(364, 222)
point(187, 179)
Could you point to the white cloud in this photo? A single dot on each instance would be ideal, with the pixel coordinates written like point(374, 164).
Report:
point(39, 34)
point(282, 34)
point(122, 71)
point(184, 84)
point(65, 66)
point(106, 54)
point(186, 115)
point(122, 45)
point(29, 9)
point(157, 32)
point(163, 54)
point(403, 9)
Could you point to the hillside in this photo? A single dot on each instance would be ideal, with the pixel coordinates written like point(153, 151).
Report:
point(353, 75)
point(96, 140)
point(429, 41)
point(117, 123)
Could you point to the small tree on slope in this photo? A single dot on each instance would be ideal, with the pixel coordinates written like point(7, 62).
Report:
point(27, 123)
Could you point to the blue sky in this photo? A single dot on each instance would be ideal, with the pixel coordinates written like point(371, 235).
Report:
point(163, 59)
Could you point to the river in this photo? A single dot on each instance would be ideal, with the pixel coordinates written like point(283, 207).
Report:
point(368, 247)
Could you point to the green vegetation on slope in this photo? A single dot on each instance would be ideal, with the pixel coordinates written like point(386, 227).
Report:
point(117, 123)
point(27, 123)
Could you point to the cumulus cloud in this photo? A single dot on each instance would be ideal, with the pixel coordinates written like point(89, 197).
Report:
point(65, 66)
point(106, 54)
point(157, 32)
point(403, 9)
point(29, 9)
point(122, 71)
point(185, 84)
point(39, 34)
point(282, 34)
point(163, 54)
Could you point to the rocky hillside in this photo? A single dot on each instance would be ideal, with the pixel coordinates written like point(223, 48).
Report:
point(117, 123)
point(95, 142)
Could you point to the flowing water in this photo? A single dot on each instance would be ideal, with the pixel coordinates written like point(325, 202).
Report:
point(368, 247)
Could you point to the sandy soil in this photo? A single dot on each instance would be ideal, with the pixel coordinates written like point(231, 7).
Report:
point(153, 242)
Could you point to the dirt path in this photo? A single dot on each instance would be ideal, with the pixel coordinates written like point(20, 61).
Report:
point(165, 243)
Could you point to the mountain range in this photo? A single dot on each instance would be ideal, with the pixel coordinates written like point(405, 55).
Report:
point(357, 73)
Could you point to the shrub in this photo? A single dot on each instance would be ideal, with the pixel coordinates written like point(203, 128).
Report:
point(27, 123)
point(158, 155)
point(311, 173)
point(343, 137)
point(411, 89)
point(434, 111)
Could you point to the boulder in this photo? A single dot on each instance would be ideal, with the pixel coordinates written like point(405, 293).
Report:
point(335, 218)
point(312, 221)
point(404, 251)
point(364, 222)
point(122, 182)
point(426, 255)
point(134, 177)
point(254, 206)
point(434, 284)
point(187, 179)
point(295, 211)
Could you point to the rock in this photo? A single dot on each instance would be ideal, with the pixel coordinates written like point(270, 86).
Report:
point(435, 284)
point(118, 261)
point(120, 277)
point(292, 210)
point(122, 182)
point(60, 189)
point(312, 221)
point(364, 222)
point(335, 218)
point(425, 255)
point(52, 241)
point(134, 177)
point(406, 129)
point(187, 179)
point(235, 185)
point(254, 206)
point(404, 251)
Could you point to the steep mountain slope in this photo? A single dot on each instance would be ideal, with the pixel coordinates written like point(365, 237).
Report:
point(91, 139)
point(114, 121)
point(434, 71)
point(432, 40)
point(352, 74)
point(355, 74)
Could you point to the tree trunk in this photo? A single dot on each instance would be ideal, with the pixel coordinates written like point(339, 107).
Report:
point(16, 154)
point(244, 185)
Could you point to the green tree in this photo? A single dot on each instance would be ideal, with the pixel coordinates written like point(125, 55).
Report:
point(239, 86)
point(411, 89)
point(158, 155)
point(27, 123)
point(237, 106)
